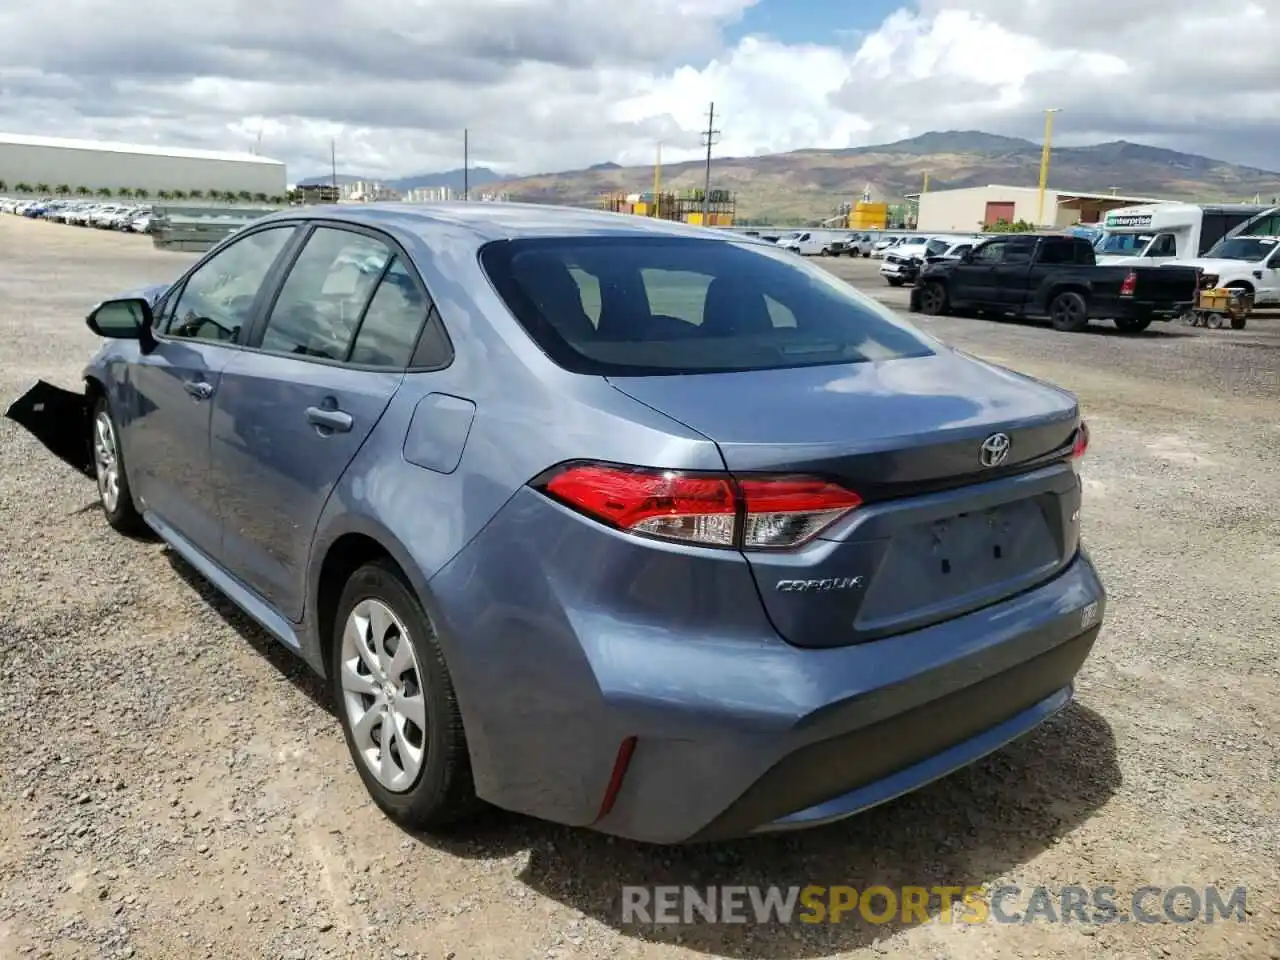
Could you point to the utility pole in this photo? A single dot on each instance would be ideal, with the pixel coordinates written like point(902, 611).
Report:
point(657, 184)
point(710, 133)
point(333, 161)
point(1044, 161)
point(466, 164)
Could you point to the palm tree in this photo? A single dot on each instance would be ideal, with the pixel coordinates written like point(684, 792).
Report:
point(179, 194)
point(214, 194)
point(278, 201)
point(123, 192)
point(244, 196)
point(104, 191)
point(259, 198)
point(42, 188)
point(83, 191)
point(22, 187)
point(62, 189)
point(196, 194)
point(3, 186)
point(164, 195)
point(142, 194)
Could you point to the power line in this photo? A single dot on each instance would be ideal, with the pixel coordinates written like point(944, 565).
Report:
point(709, 135)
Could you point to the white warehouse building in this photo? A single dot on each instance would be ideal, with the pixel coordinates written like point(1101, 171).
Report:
point(52, 162)
point(978, 208)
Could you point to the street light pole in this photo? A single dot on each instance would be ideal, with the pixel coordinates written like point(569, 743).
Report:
point(1044, 160)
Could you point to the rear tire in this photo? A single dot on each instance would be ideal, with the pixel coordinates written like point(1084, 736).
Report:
point(109, 471)
point(933, 299)
point(411, 753)
point(1069, 312)
point(1132, 324)
point(1238, 323)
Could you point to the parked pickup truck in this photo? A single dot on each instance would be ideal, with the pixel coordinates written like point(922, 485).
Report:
point(1030, 275)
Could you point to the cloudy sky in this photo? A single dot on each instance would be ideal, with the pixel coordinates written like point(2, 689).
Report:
point(557, 84)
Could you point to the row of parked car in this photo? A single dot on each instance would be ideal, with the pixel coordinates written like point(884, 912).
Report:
point(129, 218)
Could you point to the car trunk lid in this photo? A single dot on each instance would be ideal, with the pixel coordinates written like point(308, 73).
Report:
point(942, 529)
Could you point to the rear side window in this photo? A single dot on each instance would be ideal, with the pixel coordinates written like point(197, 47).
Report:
point(1055, 252)
point(323, 298)
point(667, 305)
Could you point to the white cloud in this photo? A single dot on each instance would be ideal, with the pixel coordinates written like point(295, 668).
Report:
point(555, 84)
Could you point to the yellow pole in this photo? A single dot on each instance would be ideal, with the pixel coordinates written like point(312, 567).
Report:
point(925, 189)
point(657, 183)
point(1044, 161)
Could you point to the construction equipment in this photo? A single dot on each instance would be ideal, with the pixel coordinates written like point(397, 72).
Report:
point(1221, 305)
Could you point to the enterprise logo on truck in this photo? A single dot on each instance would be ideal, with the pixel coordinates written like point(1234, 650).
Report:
point(1129, 220)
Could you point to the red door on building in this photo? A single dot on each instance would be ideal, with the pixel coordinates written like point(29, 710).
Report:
point(998, 210)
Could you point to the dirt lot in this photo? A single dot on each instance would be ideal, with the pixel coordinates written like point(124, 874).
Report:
point(173, 785)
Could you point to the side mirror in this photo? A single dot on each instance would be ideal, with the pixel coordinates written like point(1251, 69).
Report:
point(123, 319)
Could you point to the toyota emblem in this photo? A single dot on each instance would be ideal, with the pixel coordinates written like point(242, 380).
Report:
point(994, 449)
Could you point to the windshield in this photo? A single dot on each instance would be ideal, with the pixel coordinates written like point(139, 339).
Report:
point(1123, 244)
point(1250, 249)
point(643, 306)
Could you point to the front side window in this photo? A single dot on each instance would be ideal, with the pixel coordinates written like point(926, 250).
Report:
point(991, 252)
point(661, 305)
point(325, 294)
point(216, 299)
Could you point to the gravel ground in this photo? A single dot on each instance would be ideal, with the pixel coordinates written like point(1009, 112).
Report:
point(173, 784)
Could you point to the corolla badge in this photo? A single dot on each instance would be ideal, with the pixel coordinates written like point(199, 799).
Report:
point(994, 449)
point(825, 585)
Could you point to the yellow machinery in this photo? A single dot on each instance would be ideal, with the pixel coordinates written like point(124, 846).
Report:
point(686, 207)
point(869, 216)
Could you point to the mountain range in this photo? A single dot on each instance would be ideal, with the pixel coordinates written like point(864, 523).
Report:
point(811, 184)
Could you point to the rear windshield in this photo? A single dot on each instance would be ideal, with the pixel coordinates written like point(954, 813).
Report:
point(645, 306)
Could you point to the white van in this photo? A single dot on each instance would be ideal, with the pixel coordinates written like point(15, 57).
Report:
point(807, 243)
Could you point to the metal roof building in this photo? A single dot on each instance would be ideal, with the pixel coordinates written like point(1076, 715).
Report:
point(53, 162)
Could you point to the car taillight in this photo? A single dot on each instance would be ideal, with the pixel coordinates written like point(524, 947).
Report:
point(1130, 283)
point(1081, 444)
point(709, 509)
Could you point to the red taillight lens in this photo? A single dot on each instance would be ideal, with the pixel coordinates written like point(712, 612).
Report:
point(1081, 444)
point(1129, 285)
point(661, 503)
point(717, 510)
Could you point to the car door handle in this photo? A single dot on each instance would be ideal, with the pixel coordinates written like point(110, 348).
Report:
point(330, 419)
point(200, 389)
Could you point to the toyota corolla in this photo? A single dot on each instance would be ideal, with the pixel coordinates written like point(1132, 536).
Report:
point(605, 520)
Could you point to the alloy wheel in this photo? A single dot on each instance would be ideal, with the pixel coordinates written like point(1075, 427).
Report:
point(383, 695)
point(106, 461)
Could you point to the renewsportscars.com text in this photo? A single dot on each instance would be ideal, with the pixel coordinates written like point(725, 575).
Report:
point(911, 905)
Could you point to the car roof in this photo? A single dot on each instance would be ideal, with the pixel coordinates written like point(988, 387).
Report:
point(487, 221)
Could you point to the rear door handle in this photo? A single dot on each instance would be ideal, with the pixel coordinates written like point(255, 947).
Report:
point(200, 389)
point(330, 419)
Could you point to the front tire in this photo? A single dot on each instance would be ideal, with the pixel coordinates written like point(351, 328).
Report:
point(108, 468)
point(397, 704)
point(1069, 312)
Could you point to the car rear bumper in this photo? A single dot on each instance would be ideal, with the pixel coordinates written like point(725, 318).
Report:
point(564, 647)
